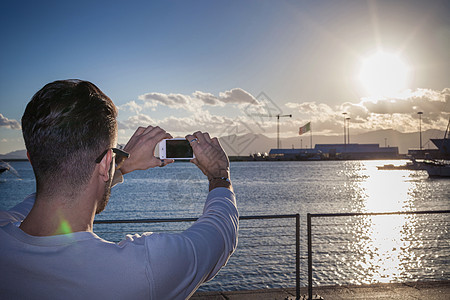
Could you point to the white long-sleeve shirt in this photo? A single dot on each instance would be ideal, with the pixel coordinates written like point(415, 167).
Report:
point(81, 265)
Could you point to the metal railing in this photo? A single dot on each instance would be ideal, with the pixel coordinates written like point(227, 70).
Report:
point(340, 236)
point(273, 240)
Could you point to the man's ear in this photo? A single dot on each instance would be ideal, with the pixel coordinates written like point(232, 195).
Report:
point(105, 165)
point(28, 155)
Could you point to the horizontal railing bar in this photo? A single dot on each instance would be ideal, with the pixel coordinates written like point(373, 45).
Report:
point(241, 236)
point(283, 255)
point(419, 212)
point(259, 227)
point(146, 221)
point(173, 220)
point(291, 216)
point(261, 264)
point(268, 245)
point(262, 217)
point(438, 220)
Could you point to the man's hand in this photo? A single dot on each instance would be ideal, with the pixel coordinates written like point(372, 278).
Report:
point(141, 147)
point(209, 156)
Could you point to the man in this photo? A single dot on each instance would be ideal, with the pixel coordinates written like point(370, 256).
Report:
point(47, 247)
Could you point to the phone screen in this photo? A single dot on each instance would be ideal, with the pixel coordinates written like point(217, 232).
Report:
point(178, 149)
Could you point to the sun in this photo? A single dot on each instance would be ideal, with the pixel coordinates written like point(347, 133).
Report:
point(384, 74)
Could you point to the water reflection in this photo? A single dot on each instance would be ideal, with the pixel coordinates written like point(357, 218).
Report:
point(386, 189)
point(383, 247)
point(346, 250)
point(384, 242)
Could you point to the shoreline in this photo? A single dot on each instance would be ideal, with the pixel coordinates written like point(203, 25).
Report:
point(407, 290)
point(251, 159)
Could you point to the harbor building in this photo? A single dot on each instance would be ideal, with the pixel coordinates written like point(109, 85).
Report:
point(336, 151)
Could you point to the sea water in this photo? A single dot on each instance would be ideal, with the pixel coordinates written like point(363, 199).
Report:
point(345, 249)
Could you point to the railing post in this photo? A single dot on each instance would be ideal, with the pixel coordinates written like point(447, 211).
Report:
point(297, 256)
point(308, 223)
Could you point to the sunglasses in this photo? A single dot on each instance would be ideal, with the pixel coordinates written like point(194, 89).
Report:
point(120, 154)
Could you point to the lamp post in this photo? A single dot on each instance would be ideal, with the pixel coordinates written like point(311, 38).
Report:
point(420, 129)
point(345, 131)
point(348, 130)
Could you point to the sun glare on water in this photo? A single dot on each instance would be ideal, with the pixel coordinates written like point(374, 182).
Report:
point(384, 74)
point(386, 242)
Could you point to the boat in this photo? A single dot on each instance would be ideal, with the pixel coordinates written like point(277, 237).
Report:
point(4, 166)
point(444, 144)
point(3, 169)
point(437, 168)
point(392, 167)
point(413, 165)
point(440, 168)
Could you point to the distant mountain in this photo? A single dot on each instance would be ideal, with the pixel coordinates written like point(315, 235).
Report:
point(253, 143)
point(18, 154)
point(247, 144)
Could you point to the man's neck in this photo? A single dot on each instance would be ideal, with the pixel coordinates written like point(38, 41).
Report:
point(58, 215)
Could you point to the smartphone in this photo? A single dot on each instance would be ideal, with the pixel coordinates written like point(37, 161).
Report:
point(178, 148)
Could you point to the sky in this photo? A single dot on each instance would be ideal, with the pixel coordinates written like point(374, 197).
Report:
point(229, 67)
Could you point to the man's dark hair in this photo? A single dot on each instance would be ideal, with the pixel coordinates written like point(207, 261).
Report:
point(66, 126)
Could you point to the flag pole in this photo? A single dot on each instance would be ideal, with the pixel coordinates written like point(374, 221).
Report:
point(310, 129)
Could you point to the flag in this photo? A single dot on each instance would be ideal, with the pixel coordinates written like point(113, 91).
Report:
point(305, 128)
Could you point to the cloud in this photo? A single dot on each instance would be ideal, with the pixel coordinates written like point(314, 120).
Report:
point(424, 100)
point(12, 124)
point(207, 98)
point(198, 117)
point(238, 96)
point(136, 121)
point(312, 111)
point(195, 101)
point(398, 112)
point(435, 106)
point(177, 101)
point(131, 106)
point(357, 112)
point(201, 120)
point(180, 126)
point(311, 108)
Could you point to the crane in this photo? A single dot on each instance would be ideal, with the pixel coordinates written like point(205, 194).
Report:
point(278, 116)
point(278, 127)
